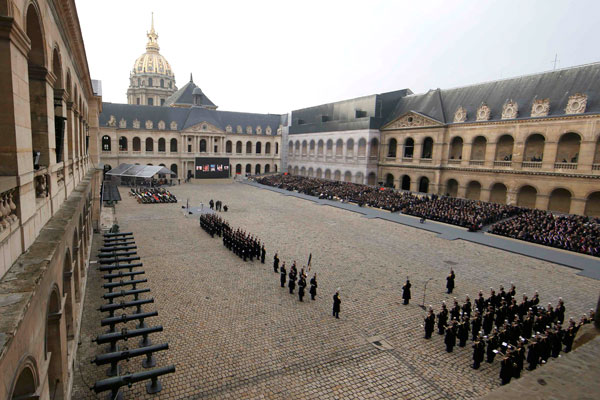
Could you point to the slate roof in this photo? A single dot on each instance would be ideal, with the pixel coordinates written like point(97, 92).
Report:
point(187, 117)
point(184, 97)
point(558, 85)
point(342, 115)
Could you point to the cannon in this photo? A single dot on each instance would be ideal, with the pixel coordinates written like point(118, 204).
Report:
point(134, 292)
point(121, 319)
point(125, 304)
point(114, 384)
point(117, 248)
point(117, 234)
point(121, 274)
point(128, 242)
point(109, 268)
point(118, 260)
point(114, 358)
point(124, 334)
point(132, 282)
point(114, 254)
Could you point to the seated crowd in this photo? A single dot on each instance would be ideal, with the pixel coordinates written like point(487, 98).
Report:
point(153, 195)
point(499, 325)
point(569, 232)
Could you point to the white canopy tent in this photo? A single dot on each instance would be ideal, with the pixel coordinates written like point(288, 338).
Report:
point(139, 171)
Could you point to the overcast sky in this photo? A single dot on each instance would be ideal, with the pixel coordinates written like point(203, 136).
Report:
point(276, 56)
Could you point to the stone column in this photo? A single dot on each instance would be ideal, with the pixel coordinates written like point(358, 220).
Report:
point(466, 153)
point(577, 205)
point(542, 201)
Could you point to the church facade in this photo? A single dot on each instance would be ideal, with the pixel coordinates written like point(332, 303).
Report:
point(532, 141)
point(185, 126)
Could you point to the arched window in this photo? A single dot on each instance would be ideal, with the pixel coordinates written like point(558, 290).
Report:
point(122, 143)
point(238, 147)
point(267, 149)
point(248, 147)
point(149, 144)
point(350, 148)
point(304, 148)
point(389, 180)
point(137, 144)
point(320, 148)
point(276, 149)
point(202, 146)
point(409, 148)
point(174, 169)
point(26, 384)
point(267, 168)
point(504, 148)
point(527, 196)
point(456, 146)
point(478, 149)
point(149, 81)
point(173, 146)
point(257, 169)
point(424, 185)
point(162, 145)
point(248, 168)
point(534, 148)
point(228, 147)
point(362, 147)
point(452, 187)
point(105, 143)
point(258, 147)
point(427, 151)
point(560, 200)
point(374, 152)
point(392, 146)
point(339, 150)
point(568, 148)
point(162, 83)
point(405, 182)
point(291, 148)
point(329, 148)
point(238, 169)
point(473, 190)
point(498, 193)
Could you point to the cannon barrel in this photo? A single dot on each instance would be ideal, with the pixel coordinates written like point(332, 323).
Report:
point(124, 293)
point(121, 274)
point(111, 285)
point(115, 254)
point(125, 334)
point(125, 266)
point(109, 235)
point(119, 239)
point(123, 304)
point(117, 382)
point(127, 242)
point(127, 354)
point(126, 318)
point(116, 248)
point(118, 260)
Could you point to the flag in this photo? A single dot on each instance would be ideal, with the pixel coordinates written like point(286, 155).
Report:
point(309, 260)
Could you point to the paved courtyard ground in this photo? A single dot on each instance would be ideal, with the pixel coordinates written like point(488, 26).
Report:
point(234, 333)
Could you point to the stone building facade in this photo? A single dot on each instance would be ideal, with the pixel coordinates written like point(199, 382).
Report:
point(533, 141)
point(48, 194)
point(339, 140)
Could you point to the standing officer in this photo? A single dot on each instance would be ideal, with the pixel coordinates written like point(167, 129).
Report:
point(301, 286)
point(336, 304)
point(450, 281)
point(275, 263)
point(429, 323)
point(406, 291)
point(262, 254)
point(283, 274)
point(292, 281)
point(478, 352)
point(313, 287)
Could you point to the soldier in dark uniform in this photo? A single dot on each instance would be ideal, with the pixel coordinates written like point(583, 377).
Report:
point(492, 344)
point(442, 319)
point(450, 281)
point(313, 287)
point(556, 341)
point(336, 304)
point(301, 286)
point(519, 358)
point(211, 203)
point(480, 303)
point(406, 292)
point(292, 280)
point(262, 254)
point(506, 369)
point(560, 311)
point(476, 324)
point(283, 274)
point(429, 323)
point(488, 320)
point(466, 308)
point(478, 352)
point(463, 332)
point(455, 311)
point(532, 354)
point(450, 338)
point(275, 263)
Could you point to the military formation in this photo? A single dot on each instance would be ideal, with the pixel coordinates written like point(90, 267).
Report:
point(153, 195)
point(518, 332)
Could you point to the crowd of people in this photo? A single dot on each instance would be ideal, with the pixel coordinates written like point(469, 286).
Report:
point(462, 212)
point(569, 232)
point(153, 195)
point(518, 332)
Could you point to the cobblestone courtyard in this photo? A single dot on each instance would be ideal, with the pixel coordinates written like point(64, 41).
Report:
point(235, 333)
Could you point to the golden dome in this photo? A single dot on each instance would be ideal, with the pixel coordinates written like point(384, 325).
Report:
point(152, 62)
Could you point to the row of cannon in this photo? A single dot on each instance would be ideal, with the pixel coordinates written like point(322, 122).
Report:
point(117, 258)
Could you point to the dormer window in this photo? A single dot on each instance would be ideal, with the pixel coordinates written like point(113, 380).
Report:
point(360, 114)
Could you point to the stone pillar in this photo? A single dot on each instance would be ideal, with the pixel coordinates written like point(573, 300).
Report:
point(587, 152)
point(490, 154)
point(511, 197)
point(542, 201)
point(577, 205)
point(550, 149)
point(461, 191)
point(466, 153)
